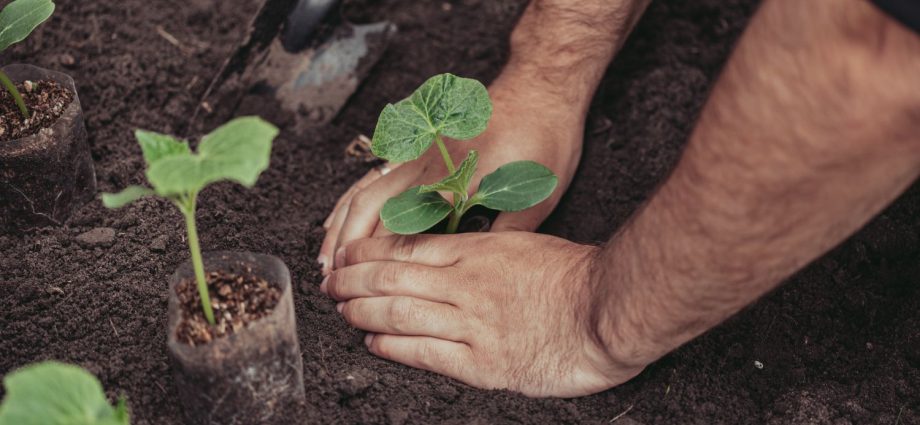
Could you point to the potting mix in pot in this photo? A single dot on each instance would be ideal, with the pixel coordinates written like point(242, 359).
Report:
point(119, 309)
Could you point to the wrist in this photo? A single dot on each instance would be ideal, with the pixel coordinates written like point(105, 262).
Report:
point(629, 322)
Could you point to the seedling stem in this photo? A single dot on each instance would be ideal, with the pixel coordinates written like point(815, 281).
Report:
point(187, 206)
point(17, 97)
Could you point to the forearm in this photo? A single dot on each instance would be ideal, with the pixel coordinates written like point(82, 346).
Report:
point(811, 130)
point(560, 49)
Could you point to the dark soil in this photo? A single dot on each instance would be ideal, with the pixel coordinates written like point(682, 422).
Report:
point(839, 342)
point(237, 299)
point(46, 100)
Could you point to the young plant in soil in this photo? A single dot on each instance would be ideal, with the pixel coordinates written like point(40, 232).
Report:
point(52, 393)
point(237, 151)
point(459, 109)
point(17, 20)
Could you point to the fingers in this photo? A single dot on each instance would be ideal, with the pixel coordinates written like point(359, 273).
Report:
point(368, 178)
point(405, 316)
point(389, 278)
point(427, 250)
point(338, 218)
point(524, 221)
point(364, 212)
point(452, 359)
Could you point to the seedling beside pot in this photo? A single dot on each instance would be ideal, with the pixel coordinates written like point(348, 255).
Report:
point(231, 330)
point(457, 108)
point(47, 170)
point(52, 393)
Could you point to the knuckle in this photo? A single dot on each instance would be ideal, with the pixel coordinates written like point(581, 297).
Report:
point(402, 314)
point(434, 357)
point(389, 279)
point(336, 285)
point(361, 200)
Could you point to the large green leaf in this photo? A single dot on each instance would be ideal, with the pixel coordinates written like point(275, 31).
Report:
point(156, 146)
point(52, 393)
point(125, 197)
point(515, 186)
point(459, 181)
point(413, 212)
point(448, 105)
point(20, 17)
point(237, 151)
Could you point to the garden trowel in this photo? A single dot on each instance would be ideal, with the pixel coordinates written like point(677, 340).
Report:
point(302, 53)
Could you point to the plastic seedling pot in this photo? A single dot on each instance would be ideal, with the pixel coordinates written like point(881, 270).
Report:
point(46, 176)
point(251, 376)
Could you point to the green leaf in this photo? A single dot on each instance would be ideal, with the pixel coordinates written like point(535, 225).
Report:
point(237, 151)
point(447, 105)
point(20, 17)
point(156, 146)
point(516, 186)
point(413, 212)
point(125, 197)
point(459, 181)
point(52, 393)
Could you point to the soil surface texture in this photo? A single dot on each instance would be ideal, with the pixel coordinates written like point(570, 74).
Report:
point(839, 343)
point(46, 100)
point(237, 300)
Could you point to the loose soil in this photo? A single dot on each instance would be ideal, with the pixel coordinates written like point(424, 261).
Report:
point(46, 101)
point(839, 343)
point(237, 299)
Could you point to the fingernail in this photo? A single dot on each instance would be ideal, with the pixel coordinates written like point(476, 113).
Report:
point(328, 222)
point(322, 286)
point(322, 260)
point(340, 257)
point(340, 306)
point(368, 339)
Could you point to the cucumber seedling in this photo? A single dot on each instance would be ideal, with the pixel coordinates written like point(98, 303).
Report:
point(17, 20)
point(237, 151)
point(52, 393)
point(457, 108)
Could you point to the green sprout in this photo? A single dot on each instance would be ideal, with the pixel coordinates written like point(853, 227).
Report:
point(52, 393)
point(457, 108)
point(17, 20)
point(237, 151)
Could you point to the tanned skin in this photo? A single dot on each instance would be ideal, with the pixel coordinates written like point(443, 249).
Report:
point(813, 127)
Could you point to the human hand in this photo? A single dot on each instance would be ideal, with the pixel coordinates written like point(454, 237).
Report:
point(519, 315)
point(521, 128)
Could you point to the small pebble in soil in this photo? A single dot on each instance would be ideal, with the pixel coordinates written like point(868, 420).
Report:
point(869, 346)
point(159, 244)
point(758, 364)
point(100, 236)
point(28, 85)
point(356, 382)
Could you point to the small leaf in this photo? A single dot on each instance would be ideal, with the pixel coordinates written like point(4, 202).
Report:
point(156, 145)
point(452, 106)
point(459, 181)
point(516, 186)
point(413, 212)
point(52, 393)
point(125, 197)
point(237, 151)
point(19, 18)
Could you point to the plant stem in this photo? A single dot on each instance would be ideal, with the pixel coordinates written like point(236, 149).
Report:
point(197, 264)
point(445, 154)
point(10, 87)
point(454, 221)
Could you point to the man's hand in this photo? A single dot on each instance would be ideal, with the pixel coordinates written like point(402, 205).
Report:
point(521, 128)
point(559, 51)
point(490, 310)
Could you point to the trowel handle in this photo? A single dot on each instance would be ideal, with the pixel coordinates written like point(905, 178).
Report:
point(302, 21)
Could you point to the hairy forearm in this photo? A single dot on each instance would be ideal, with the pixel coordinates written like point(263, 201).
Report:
point(811, 130)
point(560, 49)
